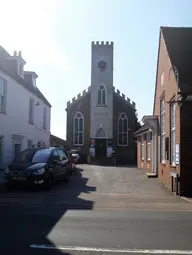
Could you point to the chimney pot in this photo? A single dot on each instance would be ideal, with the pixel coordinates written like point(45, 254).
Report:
point(19, 54)
point(15, 53)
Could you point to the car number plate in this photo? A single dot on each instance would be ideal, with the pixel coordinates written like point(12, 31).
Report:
point(19, 178)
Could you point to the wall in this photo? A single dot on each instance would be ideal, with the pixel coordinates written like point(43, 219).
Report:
point(82, 105)
point(126, 154)
point(101, 115)
point(145, 164)
point(15, 121)
point(168, 91)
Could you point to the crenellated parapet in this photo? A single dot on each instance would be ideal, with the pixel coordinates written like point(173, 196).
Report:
point(102, 43)
point(126, 99)
point(78, 97)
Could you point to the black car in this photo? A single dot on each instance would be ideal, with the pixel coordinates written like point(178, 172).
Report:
point(38, 167)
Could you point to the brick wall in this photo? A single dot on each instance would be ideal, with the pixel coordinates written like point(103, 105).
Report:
point(145, 164)
point(168, 91)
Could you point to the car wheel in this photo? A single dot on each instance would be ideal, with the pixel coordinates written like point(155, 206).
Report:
point(49, 182)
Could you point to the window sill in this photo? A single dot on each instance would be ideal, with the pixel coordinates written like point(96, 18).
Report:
point(31, 123)
point(122, 145)
point(149, 159)
point(163, 162)
point(80, 145)
point(142, 159)
point(173, 165)
point(101, 105)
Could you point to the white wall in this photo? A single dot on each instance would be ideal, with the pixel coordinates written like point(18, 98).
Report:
point(15, 121)
point(102, 115)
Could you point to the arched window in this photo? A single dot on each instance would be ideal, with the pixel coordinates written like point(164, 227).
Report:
point(122, 130)
point(78, 129)
point(101, 98)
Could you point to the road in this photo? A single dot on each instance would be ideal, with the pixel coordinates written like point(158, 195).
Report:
point(62, 221)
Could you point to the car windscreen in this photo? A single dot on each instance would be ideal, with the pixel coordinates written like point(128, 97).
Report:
point(39, 156)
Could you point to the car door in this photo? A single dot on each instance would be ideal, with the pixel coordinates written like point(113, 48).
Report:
point(56, 163)
point(64, 162)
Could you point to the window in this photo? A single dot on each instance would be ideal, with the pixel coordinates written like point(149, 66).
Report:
point(29, 143)
point(1, 151)
point(16, 149)
point(163, 132)
point(142, 147)
point(39, 156)
point(122, 130)
point(45, 118)
point(162, 79)
point(101, 98)
point(173, 138)
point(31, 110)
point(148, 146)
point(34, 82)
point(62, 154)
point(78, 129)
point(20, 68)
point(2, 95)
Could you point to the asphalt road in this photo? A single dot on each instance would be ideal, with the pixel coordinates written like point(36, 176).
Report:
point(82, 217)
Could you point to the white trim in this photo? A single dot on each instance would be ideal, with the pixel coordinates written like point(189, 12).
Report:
point(82, 132)
point(148, 146)
point(173, 134)
point(163, 130)
point(101, 137)
point(142, 148)
point(162, 78)
point(104, 89)
point(122, 133)
point(3, 96)
point(20, 63)
point(2, 149)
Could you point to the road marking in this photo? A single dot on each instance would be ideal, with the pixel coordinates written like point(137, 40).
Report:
point(92, 249)
point(187, 199)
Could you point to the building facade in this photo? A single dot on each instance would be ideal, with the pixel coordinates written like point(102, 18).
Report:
point(101, 120)
point(164, 141)
point(24, 111)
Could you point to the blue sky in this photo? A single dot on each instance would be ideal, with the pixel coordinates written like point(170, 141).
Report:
point(55, 38)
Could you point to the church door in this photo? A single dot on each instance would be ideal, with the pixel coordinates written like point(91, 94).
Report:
point(100, 148)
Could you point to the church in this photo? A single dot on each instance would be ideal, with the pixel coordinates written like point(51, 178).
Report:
point(101, 121)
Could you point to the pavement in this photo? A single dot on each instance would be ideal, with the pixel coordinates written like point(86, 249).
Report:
point(103, 210)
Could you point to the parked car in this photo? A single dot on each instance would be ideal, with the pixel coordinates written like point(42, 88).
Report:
point(75, 155)
point(72, 165)
point(38, 167)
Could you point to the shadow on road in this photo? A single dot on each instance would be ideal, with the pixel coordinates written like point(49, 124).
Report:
point(30, 223)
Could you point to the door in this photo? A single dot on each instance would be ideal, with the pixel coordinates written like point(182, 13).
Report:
point(100, 148)
point(64, 162)
point(56, 164)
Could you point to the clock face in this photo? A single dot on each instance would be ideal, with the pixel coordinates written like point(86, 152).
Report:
point(102, 65)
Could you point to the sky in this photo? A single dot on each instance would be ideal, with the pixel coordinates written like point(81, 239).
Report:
point(55, 39)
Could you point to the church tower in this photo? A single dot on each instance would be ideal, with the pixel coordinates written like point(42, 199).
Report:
point(101, 113)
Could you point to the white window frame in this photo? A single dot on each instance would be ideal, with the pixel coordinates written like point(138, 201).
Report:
point(16, 139)
point(162, 79)
point(173, 133)
point(45, 118)
point(142, 148)
point(2, 149)
point(163, 130)
point(20, 71)
point(31, 110)
point(3, 89)
point(102, 91)
point(29, 141)
point(78, 131)
point(122, 132)
point(148, 146)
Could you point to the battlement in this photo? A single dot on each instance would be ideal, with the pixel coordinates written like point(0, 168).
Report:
point(102, 43)
point(127, 99)
point(79, 96)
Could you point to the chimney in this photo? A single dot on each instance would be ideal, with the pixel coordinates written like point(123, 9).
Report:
point(19, 54)
point(15, 53)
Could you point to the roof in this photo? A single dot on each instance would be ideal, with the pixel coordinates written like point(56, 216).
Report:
point(178, 41)
point(6, 66)
point(142, 129)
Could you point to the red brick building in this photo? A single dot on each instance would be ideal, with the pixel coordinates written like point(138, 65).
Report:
point(164, 142)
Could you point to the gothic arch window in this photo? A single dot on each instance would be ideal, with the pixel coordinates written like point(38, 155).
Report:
point(101, 96)
point(78, 129)
point(122, 130)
